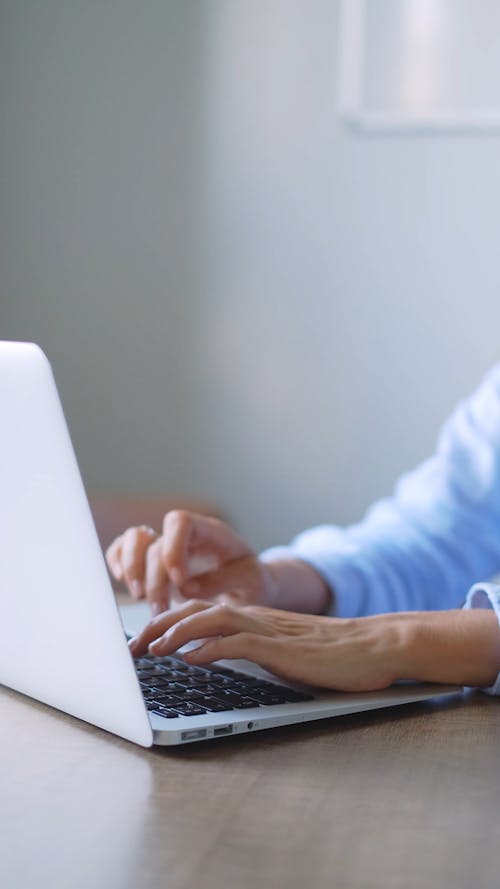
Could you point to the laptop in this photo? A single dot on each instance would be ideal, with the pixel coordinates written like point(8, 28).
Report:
point(63, 639)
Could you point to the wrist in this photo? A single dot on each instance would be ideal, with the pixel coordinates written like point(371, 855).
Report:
point(294, 585)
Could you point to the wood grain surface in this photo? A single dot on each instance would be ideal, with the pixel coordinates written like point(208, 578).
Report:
point(400, 798)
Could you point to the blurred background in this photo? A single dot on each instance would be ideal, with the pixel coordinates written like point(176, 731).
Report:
point(244, 298)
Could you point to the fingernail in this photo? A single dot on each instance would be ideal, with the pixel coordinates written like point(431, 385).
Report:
point(136, 589)
point(132, 644)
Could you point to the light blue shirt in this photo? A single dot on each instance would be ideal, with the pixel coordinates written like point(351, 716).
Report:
point(422, 548)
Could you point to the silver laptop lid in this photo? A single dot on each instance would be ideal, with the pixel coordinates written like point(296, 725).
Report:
point(62, 639)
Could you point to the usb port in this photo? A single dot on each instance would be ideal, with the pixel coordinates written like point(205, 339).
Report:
point(193, 734)
point(223, 730)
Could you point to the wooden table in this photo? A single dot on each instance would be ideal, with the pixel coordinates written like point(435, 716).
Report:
point(398, 798)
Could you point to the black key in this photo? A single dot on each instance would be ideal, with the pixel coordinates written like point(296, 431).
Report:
point(226, 672)
point(273, 689)
point(234, 673)
point(177, 663)
point(215, 706)
point(268, 700)
point(234, 700)
point(220, 683)
point(189, 696)
point(269, 686)
point(216, 668)
point(259, 692)
point(172, 686)
point(167, 701)
point(245, 704)
point(292, 696)
point(193, 681)
point(247, 683)
point(224, 677)
point(245, 688)
point(265, 691)
point(236, 686)
point(189, 709)
point(167, 682)
point(227, 692)
point(208, 687)
point(168, 714)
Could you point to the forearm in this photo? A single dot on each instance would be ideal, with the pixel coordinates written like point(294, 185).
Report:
point(457, 647)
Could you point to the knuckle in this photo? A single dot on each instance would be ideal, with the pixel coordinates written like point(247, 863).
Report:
point(137, 536)
point(144, 536)
point(193, 604)
point(224, 609)
point(148, 530)
point(177, 517)
point(130, 535)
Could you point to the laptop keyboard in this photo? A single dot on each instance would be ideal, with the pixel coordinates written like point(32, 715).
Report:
point(171, 688)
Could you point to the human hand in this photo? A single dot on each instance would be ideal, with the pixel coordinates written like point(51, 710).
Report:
point(347, 654)
point(194, 556)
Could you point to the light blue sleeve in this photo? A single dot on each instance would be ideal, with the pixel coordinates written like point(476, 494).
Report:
point(422, 548)
point(486, 595)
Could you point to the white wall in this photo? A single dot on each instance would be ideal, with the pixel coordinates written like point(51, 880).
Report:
point(98, 161)
point(242, 299)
